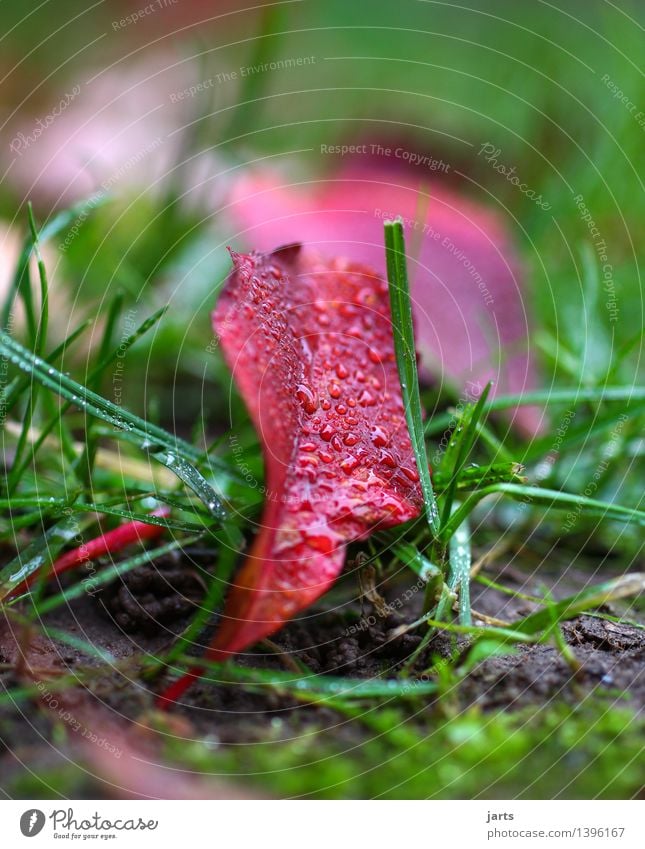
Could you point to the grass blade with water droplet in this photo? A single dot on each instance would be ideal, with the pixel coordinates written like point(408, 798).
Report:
point(459, 579)
point(39, 553)
point(121, 419)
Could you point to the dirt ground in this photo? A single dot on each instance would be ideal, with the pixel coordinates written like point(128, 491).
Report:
point(348, 639)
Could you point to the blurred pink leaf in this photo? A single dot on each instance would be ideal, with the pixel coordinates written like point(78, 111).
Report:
point(471, 317)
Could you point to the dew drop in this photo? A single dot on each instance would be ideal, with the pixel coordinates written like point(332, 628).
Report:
point(308, 460)
point(321, 542)
point(349, 464)
point(336, 442)
point(366, 296)
point(388, 459)
point(379, 436)
point(305, 395)
point(326, 432)
point(366, 399)
point(347, 310)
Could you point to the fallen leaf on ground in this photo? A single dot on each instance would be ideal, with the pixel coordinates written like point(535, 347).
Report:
point(309, 343)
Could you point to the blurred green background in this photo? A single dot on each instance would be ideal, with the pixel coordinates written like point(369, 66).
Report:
point(557, 88)
point(540, 81)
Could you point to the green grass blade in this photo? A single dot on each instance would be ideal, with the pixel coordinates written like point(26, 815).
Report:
point(105, 358)
point(193, 479)
point(627, 585)
point(79, 644)
point(128, 515)
point(548, 397)
point(315, 685)
point(460, 446)
point(406, 360)
point(217, 585)
point(550, 498)
point(581, 395)
point(41, 331)
point(114, 311)
point(95, 373)
point(415, 560)
point(56, 225)
point(39, 341)
point(18, 385)
point(586, 431)
point(85, 399)
point(264, 47)
point(476, 477)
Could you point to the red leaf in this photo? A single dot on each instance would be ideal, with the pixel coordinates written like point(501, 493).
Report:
point(107, 543)
point(466, 284)
point(310, 347)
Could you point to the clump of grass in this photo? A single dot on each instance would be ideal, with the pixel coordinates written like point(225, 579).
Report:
point(66, 473)
point(447, 515)
point(534, 753)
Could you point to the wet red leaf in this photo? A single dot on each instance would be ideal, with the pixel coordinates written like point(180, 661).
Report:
point(310, 347)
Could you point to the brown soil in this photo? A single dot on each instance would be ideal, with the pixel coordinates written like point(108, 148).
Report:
point(143, 615)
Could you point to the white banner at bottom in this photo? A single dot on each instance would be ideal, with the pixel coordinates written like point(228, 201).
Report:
point(313, 824)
